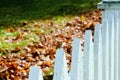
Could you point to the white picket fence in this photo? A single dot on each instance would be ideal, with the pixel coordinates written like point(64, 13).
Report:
point(101, 57)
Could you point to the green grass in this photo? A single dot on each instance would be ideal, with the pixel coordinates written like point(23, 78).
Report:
point(30, 34)
point(13, 12)
point(9, 41)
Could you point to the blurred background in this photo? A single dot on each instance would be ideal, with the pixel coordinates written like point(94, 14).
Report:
point(15, 11)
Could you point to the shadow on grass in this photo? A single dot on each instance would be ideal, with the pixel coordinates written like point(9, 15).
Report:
point(15, 11)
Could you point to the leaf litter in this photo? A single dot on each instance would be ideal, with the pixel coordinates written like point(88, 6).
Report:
point(37, 42)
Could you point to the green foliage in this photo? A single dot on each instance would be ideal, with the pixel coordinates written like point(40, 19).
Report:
point(14, 11)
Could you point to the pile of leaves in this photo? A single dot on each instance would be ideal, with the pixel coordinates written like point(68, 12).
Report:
point(36, 43)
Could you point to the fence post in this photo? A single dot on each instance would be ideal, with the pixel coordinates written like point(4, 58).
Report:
point(105, 47)
point(119, 45)
point(35, 73)
point(60, 68)
point(110, 18)
point(112, 42)
point(109, 4)
point(112, 8)
point(116, 44)
point(76, 72)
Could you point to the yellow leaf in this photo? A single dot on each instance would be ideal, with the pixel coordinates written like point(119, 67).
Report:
point(36, 27)
point(10, 29)
point(82, 17)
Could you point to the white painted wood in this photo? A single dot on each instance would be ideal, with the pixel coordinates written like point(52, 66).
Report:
point(104, 24)
point(119, 48)
point(86, 58)
point(116, 47)
point(60, 68)
point(76, 72)
point(112, 50)
point(105, 47)
point(35, 73)
point(110, 17)
point(96, 43)
point(98, 64)
point(88, 61)
point(100, 56)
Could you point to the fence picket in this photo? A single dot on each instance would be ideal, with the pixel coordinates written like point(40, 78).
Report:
point(104, 37)
point(98, 53)
point(117, 45)
point(60, 68)
point(76, 72)
point(88, 60)
point(35, 73)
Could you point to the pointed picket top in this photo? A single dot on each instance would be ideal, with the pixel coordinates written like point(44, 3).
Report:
point(60, 68)
point(35, 73)
point(88, 61)
point(76, 72)
point(98, 53)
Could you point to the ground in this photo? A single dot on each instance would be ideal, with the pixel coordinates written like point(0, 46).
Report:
point(27, 40)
